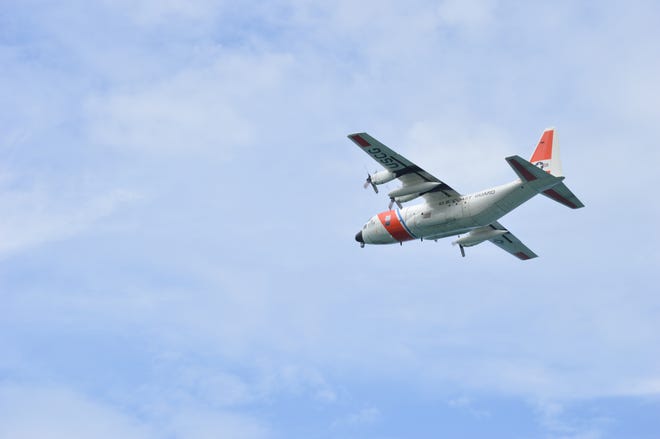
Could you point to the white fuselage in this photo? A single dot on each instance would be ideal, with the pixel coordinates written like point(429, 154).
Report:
point(449, 217)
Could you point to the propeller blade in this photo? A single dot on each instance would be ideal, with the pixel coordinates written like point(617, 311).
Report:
point(394, 200)
point(370, 182)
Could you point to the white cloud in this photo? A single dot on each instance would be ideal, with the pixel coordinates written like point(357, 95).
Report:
point(200, 424)
point(159, 12)
point(559, 423)
point(296, 380)
point(466, 404)
point(367, 415)
point(37, 216)
point(463, 155)
point(470, 15)
point(33, 412)
point(204, 108)
point(44, 411)
point(641, 387)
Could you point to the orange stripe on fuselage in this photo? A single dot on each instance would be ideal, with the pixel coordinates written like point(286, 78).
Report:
point(394, 226)
point(543, 150)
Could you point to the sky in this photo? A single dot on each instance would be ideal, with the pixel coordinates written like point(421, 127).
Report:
point(178, 205)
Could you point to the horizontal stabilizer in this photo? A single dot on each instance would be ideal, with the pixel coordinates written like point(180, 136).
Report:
point(544, 182)
point(525, 170)
point(561, 194)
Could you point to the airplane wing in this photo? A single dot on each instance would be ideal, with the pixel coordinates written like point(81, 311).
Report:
point(508, 242)
point(412, 176)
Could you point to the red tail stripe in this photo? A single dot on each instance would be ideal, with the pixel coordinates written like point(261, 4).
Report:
point(543, 150)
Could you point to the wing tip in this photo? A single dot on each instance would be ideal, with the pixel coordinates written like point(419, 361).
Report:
point(359, 140)
point(524, 256)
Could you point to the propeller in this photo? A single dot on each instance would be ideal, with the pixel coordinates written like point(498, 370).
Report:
point(394, 200)
point(370, 182)
point(459, 246)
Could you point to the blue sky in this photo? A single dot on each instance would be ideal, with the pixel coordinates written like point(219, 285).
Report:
point(179, 201)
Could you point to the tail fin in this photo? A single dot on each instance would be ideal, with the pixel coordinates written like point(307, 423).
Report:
point(546, 158)
point(546, 154)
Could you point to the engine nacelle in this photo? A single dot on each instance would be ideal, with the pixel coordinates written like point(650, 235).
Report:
point(382, 177)
point(406, 198)
point(419, 188)
point(478, 236)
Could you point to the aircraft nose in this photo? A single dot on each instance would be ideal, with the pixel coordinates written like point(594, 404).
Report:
point(358, 237)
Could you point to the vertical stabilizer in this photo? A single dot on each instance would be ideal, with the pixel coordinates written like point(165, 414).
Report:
point(546, 154)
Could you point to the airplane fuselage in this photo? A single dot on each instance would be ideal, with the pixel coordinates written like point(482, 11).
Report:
point(449, 217)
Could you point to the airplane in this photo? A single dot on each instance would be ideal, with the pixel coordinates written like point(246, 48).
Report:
point(445, 212)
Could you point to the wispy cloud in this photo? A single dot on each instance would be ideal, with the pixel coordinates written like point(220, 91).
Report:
point(200, 108)
point(367, 415)
point(44, 411)
point(50, 411)
point(216, 132)
point(37, 216)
